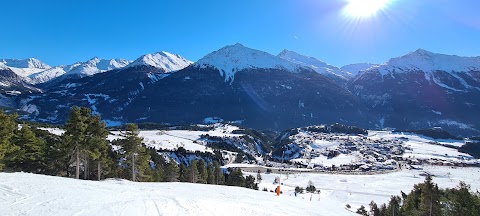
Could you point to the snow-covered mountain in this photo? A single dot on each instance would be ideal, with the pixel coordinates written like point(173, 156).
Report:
point(165, 61)
point(25, 63)
point(234, 58)
point(80, 69)
point(423, 89)
point(354, 69)
point(97, 65)
point(25, 67)
point(423, 60)
point(317, 65)
point(13, 84)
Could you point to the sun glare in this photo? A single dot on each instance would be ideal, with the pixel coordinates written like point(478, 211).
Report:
point(364, 8)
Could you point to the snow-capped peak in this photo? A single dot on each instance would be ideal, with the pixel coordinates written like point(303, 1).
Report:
point(25, 63)
point(96, 65)
point(423, 60)
point(317, 65)
point(166, 61)
point(234, 58)
point(25, 67)
point(3, 66)
point(93, 66)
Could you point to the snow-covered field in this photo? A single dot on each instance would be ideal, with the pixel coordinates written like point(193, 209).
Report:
point(29, 194)
point(421, 146)
point(359, 190)
point(173, 139)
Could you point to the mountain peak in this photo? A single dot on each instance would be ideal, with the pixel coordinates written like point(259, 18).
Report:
point(234, 58)
point(166, 61)
point(426, 61)
point(25, 63)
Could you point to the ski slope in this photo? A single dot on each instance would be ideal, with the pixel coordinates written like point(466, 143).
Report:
point(30, 194)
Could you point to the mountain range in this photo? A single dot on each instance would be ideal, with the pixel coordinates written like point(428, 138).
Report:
point(418, 90)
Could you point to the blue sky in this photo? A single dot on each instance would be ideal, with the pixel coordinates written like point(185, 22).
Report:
point(62, 32)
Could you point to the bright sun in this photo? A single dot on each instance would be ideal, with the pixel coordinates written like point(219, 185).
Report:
point(364, 8)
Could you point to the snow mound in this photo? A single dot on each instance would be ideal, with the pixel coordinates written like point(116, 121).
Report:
point(234, 58)
point(317, 65)
point(166, 61)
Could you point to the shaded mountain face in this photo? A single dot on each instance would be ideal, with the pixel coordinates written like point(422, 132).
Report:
point(423, 90)
point(260, 98)
point(273, 94)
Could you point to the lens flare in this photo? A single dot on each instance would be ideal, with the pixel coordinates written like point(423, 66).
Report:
point(364, 8)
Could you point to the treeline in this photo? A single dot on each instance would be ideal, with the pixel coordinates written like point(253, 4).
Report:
point(427, 199)
point(84, 152)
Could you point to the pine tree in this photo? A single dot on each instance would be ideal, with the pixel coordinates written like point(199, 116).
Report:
point(193, 172)
point(183, 173)
point(74, 136)
point(235, 177)
point(374, 211)
point(171, 172)
point(56, 154)
point(250, 182)
point(30, 156)
point(430, 198)
point(7, 127)
point(210, 174)
point(259, 177)
point(135, 153)
point(202, 172)
point(96, 141)
point(219, 176)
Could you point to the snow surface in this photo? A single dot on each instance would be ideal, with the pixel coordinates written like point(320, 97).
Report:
point(30, 194)
point(317, 65)
point(355, 69)
point(166, 61)
point(235, 58)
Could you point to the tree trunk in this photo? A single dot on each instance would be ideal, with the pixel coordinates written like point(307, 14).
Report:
point(77, 161)
point(99, 169)
point(133, 167)
point(85, 168)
